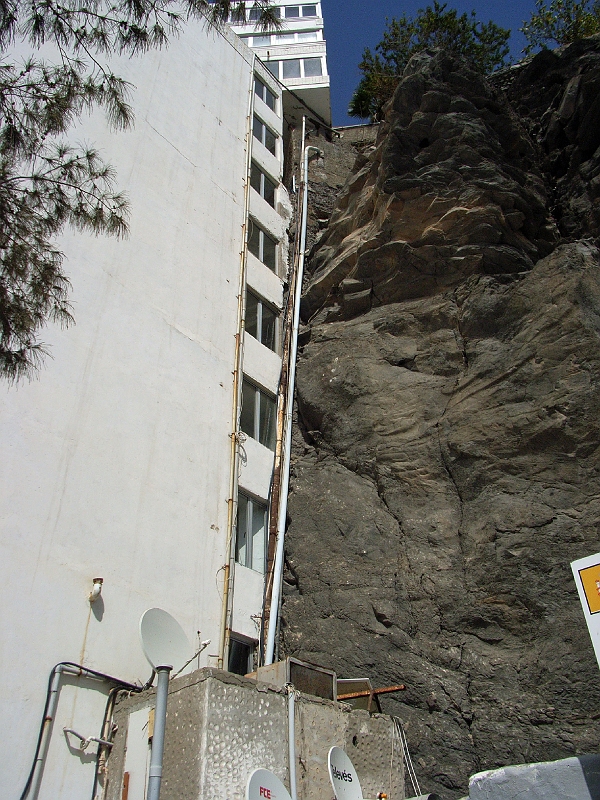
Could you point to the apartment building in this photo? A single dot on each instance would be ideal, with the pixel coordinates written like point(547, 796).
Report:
point(296, 55)
point(137, 467)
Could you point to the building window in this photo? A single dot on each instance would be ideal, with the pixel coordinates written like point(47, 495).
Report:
point(296, 68)
point(300, 36)
point(254, 12)
point(312, 67)
point(251, 534)
point(258, 417)
point(262, 246)
point(261, 321)
point(291, 68)
point(265, 94)
point(241, 656)
point(263, 185)
point(264, 135)
point(308, 36)
point(293, 12)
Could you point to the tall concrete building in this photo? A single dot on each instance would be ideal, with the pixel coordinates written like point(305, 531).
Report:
point(137, 467)
point(296, 55)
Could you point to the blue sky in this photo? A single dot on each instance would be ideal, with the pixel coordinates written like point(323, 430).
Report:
point(352, 25)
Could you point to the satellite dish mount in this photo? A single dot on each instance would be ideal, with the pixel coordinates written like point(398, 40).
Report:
point(166, 647)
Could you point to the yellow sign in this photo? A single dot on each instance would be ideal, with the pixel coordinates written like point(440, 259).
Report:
point(590, 579)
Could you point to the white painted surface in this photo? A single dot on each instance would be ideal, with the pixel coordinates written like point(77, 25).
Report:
point(266, 216)
point(248, 590)
point(264, 282)
point(137, 754)
point(116, 461)
point(256, 468)
point(262, 365)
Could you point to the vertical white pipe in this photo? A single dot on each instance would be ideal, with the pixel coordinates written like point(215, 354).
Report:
point(292, 740)
point(279, 552)
point(158, 735)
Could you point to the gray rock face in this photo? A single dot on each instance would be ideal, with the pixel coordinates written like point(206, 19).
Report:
point(452, 190)
point(446, 455)
point(557, 96)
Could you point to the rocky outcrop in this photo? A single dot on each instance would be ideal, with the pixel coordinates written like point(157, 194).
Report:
point(451, 191)
point(446, 463)
point(557, 95)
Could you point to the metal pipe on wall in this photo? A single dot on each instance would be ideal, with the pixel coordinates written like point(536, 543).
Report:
point(279, 554)
point(237, 392)
point(282, 394)
point(292, 740)
point(158, 735)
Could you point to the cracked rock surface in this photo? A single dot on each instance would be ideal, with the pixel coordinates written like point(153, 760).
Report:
point(446, 465)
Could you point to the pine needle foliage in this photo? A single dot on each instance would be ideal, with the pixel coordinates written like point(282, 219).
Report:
point(45, 183)
point(561, 22)
point(484, 45)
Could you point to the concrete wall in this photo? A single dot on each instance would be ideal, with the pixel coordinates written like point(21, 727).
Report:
point(221, 727)
point(116, 460)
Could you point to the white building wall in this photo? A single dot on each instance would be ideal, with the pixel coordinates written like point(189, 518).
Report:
point(116, 460)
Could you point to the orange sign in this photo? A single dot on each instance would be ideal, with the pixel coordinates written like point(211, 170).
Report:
point(590, 579)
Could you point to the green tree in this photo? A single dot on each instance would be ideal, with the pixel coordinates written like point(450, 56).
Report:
point(561, 22)
point(485, 45)
point(45, 183)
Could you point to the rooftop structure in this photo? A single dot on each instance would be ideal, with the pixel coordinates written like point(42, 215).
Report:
point(296, 55)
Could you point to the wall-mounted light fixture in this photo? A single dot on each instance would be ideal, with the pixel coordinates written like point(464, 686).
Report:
point(96, 589)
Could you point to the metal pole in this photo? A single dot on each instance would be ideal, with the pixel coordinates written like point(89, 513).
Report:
point(158, 736)
point(279, 553)
point(292, 740)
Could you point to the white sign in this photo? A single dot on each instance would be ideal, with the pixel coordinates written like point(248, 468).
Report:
point(343, 776)
point(586, 572)
point(263, 785)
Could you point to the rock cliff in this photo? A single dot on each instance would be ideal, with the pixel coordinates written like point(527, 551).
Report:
point(446, 464)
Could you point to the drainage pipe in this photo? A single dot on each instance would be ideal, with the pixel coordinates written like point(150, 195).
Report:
point(283, 497)
point(34, 780)
point(158, 735)
point(281, 405)
point(292, 740)
point(237, 398)
point(44, 742)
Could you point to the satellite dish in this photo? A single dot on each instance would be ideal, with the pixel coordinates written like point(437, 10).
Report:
point(263, 785)
point(163, 640)
point(343, 776)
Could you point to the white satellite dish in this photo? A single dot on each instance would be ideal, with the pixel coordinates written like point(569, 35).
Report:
point(163, 640)
point(343, 776)
point(263, 785)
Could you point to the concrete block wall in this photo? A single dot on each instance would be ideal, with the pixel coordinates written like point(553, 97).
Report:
point(220, 727)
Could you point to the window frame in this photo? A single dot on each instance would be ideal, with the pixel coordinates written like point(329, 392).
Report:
point(262, 304)
point(263, 137)
point(303, 75)
point(263, 180)
point(301, 14)
point(267, 438)
point(262, 236)
point(252, 506)
point(243, 641)
point(265, 94)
